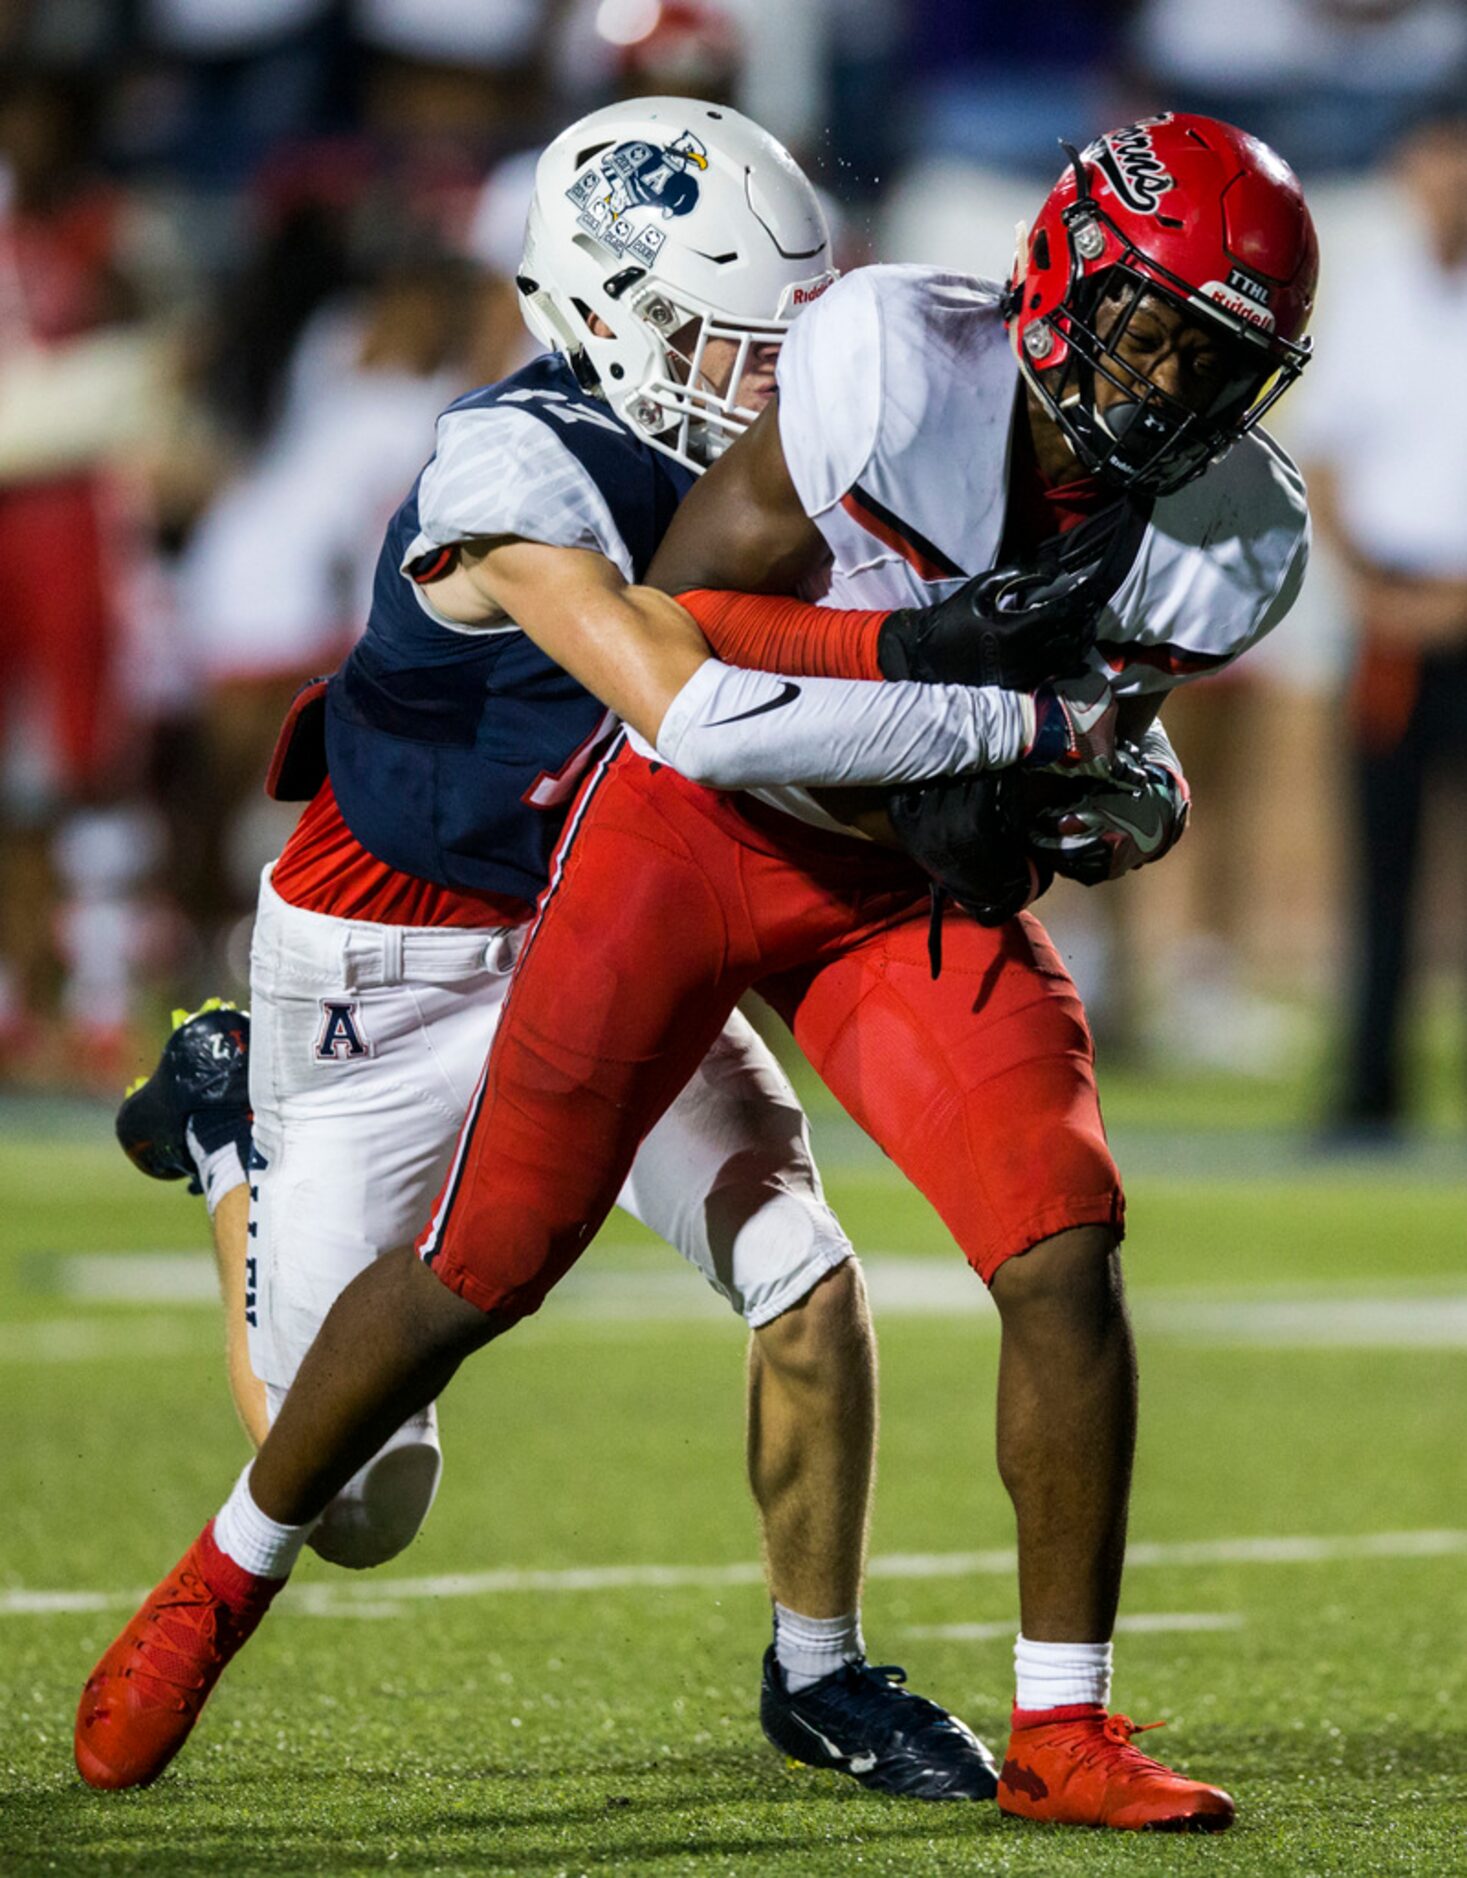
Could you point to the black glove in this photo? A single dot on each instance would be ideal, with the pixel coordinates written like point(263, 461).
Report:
point(968, 833)
point(1015, 626)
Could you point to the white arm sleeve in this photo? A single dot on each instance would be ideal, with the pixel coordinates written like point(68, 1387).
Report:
point(734, 729)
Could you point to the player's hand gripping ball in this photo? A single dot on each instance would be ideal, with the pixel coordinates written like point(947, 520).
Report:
point(1095, 829)
point(969, 835)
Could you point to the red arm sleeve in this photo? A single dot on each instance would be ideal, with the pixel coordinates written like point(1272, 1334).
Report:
point(771, 633)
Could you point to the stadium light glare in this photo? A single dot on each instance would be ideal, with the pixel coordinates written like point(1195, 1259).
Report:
point(625, 22)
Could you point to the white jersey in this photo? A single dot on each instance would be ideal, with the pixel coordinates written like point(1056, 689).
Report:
point(896, 401)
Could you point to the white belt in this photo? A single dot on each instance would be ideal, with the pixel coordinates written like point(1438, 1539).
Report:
point(362, 955)
point(393, 955)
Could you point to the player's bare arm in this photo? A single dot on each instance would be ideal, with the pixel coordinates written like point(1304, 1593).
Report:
point(633, 647)
point(743, 527)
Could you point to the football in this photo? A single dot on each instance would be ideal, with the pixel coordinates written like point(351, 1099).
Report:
point(1054, 789)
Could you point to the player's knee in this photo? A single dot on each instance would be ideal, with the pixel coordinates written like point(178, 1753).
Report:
point(381, 1511)
point(830, 1324)
point(1070, 1283)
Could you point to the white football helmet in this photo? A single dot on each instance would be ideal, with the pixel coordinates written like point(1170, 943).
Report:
point(670, 220)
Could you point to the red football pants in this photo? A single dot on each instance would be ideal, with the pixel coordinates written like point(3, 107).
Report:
point(668, 903)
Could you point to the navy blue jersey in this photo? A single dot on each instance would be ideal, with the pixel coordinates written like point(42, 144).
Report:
point(454, 751)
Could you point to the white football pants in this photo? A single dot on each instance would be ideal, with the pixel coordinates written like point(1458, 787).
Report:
point(366, 1045)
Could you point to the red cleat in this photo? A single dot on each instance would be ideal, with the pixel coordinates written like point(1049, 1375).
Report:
point(143, 1698)
point(1076, 1767)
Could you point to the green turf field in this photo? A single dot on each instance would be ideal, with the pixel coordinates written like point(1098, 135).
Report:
point(1297, 1600)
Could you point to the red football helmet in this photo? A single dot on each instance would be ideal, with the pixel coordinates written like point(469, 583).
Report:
point(1194, 213)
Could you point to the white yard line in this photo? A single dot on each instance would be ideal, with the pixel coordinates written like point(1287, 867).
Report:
point(87, 1339)
point(136, 1277)
point(344, 1599)
point(1330, 1318)
point(1340, 1321)
point(1140, 1621)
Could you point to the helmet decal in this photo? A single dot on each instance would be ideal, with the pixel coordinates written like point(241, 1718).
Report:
point(1131, 165)
point(668, 245)
point(638, 175)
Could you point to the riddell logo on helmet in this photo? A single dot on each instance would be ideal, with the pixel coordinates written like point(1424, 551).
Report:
point(802, 294)
point(1238, 304)
point(1131, 166)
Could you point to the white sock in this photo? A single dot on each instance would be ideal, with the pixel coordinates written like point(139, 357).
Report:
point(254, 1541)
point(1051, 1675)
point(220, 1170)
point(807, 1648)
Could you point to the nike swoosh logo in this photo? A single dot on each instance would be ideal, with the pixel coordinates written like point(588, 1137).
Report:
point(788, 692)
point(1147, 840)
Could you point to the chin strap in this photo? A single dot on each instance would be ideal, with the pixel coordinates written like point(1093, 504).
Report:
point(1012, 298)
point(1082, 181)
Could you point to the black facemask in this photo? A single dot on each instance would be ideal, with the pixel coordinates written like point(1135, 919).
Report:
point(1147, 439)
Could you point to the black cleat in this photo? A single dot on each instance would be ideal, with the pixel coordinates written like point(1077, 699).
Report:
point(202, 1081)
point(861, 1721)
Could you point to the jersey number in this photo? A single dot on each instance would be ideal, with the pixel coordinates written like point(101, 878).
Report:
point(559, 406)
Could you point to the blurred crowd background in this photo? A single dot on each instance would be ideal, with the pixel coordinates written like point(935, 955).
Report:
point(249, 248)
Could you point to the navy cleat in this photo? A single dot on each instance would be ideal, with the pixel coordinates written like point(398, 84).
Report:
point(196, 1100)
point(862, 1722)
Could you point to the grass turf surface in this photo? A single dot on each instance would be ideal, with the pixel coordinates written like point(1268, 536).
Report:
point(615, 1729)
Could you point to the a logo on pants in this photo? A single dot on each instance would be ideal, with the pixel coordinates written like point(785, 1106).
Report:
point(341, 1036)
